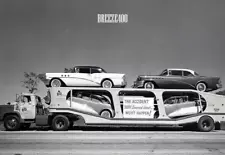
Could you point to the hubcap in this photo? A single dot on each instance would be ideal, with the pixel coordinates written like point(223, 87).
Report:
point(60, 124)
point(107, 84)
point(12, 123)
point(201, 87)
point(56, 83)
point(205, 124)
point(149, 86)
point(105, 114)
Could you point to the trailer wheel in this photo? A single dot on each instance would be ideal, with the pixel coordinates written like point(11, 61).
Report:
point(12, 123)
point(60, 123)
point(206, 124)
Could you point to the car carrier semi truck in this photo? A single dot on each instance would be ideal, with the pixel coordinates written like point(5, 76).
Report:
point(116, 107)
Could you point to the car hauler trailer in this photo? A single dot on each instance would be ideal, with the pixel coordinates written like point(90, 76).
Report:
point(128, 107)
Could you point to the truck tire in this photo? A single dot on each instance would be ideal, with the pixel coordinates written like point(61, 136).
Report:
point(12, 123)
point(206, 124)
point(60, 123)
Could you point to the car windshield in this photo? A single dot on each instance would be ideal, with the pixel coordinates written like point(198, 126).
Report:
point(102, 70)
point(196, 74)
point(164, 72)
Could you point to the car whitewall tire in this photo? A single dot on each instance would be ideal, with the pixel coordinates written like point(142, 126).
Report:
point(149, 85)
point(107, 84)
point(201, 86)
point(56, 83)
point(106, 114)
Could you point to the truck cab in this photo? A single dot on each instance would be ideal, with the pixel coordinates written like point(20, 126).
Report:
point(27, 109)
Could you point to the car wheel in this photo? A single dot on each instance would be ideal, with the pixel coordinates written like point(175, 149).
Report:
point(107, 84)
point(56, 83)
point(149, 85)
point(12, 123)
point(60, 123)
point(206, 124)
point(106, 114)
point(201, 86)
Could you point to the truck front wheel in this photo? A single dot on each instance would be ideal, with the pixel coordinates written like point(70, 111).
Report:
point(12, 123)
point(60, 123)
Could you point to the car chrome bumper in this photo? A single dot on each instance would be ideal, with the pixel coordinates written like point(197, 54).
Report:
point(219, 85)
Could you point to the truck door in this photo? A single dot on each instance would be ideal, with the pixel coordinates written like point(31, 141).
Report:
point(27, 107)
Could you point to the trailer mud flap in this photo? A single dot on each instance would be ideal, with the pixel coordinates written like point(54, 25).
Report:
point(42, 120)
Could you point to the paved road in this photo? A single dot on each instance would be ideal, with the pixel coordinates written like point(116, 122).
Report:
point(112, 142)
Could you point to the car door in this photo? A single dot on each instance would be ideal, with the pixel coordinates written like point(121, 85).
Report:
point(189, 79)
point(96, 75)
point(81, 77)
point(173, 80)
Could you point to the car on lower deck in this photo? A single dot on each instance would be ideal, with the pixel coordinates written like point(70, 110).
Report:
point(173, 78)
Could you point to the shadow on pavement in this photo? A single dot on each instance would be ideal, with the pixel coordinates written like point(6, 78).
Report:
point(90, 128)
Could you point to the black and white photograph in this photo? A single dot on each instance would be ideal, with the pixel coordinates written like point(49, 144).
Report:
point(119, 77)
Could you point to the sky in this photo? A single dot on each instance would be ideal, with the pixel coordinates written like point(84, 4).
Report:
point(50, 35)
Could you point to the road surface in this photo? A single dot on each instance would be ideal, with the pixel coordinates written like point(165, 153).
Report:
point(112, 142)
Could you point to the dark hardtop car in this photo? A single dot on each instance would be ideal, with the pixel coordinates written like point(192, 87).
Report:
point(178, 79)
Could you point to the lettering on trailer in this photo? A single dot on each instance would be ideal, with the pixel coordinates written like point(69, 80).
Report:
point(138, 107)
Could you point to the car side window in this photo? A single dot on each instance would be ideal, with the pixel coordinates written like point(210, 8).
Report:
point(84, 70)
point(95, 70)
point(97, 95)
point(176, 73)
point(186, 73)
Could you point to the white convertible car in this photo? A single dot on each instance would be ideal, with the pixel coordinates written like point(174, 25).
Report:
point(88, 76)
